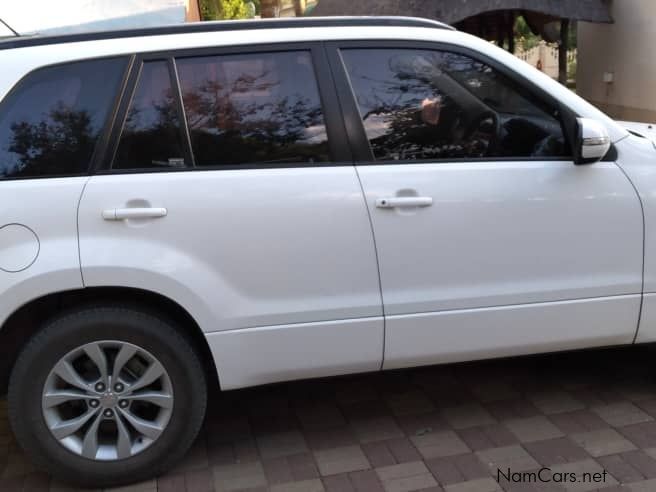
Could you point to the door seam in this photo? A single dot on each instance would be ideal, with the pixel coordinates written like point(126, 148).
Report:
point(332, 69)
point(380, 282)
point(644, 234)
point(77, 226)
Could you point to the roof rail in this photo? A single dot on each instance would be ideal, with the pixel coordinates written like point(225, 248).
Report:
point(221, 26)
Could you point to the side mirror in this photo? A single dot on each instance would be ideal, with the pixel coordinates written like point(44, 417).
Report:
point(593, 141)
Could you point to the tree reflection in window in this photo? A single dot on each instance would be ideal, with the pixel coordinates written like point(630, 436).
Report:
point(429, 104)
point(390, 87)
point(50, 123)
point(253, 109)
point(151, 134)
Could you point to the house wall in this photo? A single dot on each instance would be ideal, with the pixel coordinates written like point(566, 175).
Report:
point(627, 50)
point(192, 11)
point(547, 55)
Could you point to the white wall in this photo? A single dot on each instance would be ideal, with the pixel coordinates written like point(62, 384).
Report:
point(51, 16)
point(626, 48)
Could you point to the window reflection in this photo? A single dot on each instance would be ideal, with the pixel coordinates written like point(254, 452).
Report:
point(49, 126)
point(151, 134)
point(253, 109)
point(421, 104)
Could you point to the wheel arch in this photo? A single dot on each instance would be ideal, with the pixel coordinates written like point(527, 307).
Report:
point(25, 321)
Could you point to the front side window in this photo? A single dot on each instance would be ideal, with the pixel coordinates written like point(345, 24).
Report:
point(426, 104)
point(256, 108)
point(50, 123)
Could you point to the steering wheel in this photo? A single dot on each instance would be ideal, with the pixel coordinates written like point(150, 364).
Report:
point(486, 128)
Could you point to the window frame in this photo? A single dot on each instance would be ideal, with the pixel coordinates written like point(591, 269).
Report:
point(357, 135)
point(99, 148)
point(339, 153)
point(121, 113)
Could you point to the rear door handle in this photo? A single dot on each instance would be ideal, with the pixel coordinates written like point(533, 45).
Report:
point(133, 213)
point(404, 201)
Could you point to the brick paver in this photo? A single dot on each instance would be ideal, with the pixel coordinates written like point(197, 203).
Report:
point(406, 477)
point(533, 429)
point(621, 414)
point(435, 429)
point(512, 458)
point(603, 442)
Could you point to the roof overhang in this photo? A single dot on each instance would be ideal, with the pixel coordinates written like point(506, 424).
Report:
point(454, 11)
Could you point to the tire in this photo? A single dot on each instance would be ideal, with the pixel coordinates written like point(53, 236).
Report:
point(118, 460)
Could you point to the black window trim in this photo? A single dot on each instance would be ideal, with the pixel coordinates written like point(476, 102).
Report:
point(185, 136)
point(358, 139)
point(100, 147)
point(104, 140)
point(113, 133)
point(340, 153)
point(121, 113)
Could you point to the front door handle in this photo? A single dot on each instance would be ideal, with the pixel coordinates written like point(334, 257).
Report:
point(133, 213)
point(404, 201)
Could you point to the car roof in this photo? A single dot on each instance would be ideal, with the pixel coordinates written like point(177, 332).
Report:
point(223, 26)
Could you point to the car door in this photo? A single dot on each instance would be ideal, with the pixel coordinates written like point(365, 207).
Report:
point(231, 190)
point(490, 241)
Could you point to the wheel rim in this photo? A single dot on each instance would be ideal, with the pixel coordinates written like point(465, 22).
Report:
point(107, 400)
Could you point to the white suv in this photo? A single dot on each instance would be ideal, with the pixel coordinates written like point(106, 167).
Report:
point(250, 202)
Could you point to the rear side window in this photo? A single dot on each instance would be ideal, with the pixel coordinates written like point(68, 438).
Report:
point(50, 123)
point(259, 108)
point(152, 136)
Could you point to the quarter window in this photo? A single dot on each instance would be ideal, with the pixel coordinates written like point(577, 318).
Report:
point(259, 108)
point(50, 123)
point(425, 104)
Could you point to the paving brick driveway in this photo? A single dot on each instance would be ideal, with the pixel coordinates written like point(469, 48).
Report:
point(445, 428)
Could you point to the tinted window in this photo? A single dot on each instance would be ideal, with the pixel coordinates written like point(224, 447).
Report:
point(421, 104)
point(253, 109)
point(151, 133)
point(50, 123)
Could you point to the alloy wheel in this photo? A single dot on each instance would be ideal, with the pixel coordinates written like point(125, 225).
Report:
point(107, 400)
